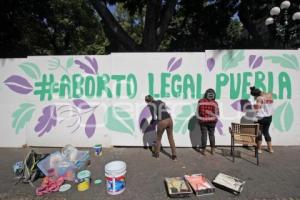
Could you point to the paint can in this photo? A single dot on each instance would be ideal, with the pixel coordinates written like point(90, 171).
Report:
point(98, 149)
point(115, 173)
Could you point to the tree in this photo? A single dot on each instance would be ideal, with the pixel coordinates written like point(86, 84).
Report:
point(170, 25)
point(50, 27)
point(157, 18)
point(253, 15)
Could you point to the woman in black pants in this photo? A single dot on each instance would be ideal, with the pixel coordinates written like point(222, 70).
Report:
point(208, 111)
point(264, 110)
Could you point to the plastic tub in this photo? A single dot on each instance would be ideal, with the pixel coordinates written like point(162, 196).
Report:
point(115, 173)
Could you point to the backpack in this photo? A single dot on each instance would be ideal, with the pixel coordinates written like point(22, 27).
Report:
point(30, 171)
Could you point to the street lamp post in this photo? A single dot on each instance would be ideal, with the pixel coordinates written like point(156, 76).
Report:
point(282, 23)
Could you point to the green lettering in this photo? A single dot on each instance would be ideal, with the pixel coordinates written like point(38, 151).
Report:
point(235, 89)
point(102, 85)
point(259, 80)
point(270, 84)
point(131, 86)
point(118, 79)
point(176, 88)
point(151, 85)
point(199, 86)
point(188, 84)
point(65, 87)
point(89, 87)
point(245, 85)
point(45, 87)
point(164, 84)
point(284, 83)
point(77, 81)
point(221, 81)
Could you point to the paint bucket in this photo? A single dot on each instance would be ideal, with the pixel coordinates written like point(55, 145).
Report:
point(115, 173)
point(98, 149)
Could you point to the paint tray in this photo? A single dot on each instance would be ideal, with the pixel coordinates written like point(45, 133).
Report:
point(200, 184)
point(229, 183)
point(177, 187)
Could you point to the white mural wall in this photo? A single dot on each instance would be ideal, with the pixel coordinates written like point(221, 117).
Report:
point(84, 100)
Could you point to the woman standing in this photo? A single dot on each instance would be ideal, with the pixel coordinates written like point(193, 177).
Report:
point(264, 110)
point(208, 111)
point(159, 113)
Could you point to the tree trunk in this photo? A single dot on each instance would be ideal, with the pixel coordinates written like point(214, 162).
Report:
point(250, 24)
point(114, 26)
point(156, 24)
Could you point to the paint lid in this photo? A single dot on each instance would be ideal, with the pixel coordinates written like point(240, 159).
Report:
point(64, 187)
point(83, 174)
point(98, 181)
point(115, 167)
point(83, 186)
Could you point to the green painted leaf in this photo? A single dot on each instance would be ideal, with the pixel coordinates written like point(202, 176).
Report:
point(119, 120)
point(232, 59)
point(182, 120)
point(283, 117)
point(288, 117)
point(54, 63)
point(288, 61)
point(31, 69)
point(70, 62)
point(22, 115)
point(293, 58)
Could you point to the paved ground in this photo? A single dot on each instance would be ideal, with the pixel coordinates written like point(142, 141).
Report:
point(278, 176)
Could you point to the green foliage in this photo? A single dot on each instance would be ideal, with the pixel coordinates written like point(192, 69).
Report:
point(31, 69)
point(119, 120)
point(232, 59)
point(283, 117)
point(22, 116)
point(286, 61)
point(50, 27)
point(200, 25)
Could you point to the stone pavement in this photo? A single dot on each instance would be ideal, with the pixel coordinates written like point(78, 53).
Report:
point(277, 177)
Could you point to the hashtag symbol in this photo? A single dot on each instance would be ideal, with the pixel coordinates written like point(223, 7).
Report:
point(44, 88)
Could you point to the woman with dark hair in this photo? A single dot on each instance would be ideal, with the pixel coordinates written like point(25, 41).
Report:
point(264, 110)
point(208, 111)
point(159, 113)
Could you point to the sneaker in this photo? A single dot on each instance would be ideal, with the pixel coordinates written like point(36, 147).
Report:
point(174, 157)
point(155, 155)
point(203, 152)
point(270, 150)
point(259, 151)
point(212, 151)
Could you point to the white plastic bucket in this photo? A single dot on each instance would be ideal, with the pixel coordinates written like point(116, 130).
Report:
point(115, 173)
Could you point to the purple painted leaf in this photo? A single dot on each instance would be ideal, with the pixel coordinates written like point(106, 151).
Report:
point(145, 126)
point(219, 127)
point(255, 62)
point(242, 105)
point(210, 64)
point(175, 65)
point(145, 114)
point(90, 69)
point(90, 126)
point(170, 63)
point(93, 63)
point(251, 60)
point(46, 121)
point(18, 84)
point(81, 104)
point(258, 62)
